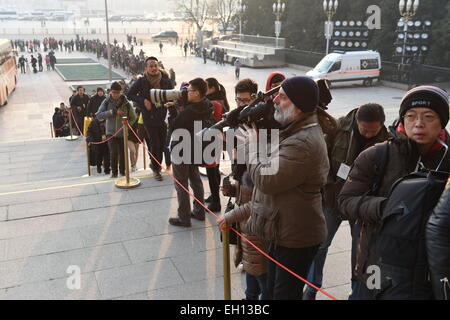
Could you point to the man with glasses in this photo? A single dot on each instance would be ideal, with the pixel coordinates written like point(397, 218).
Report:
point(418, 142)
point(199, 110)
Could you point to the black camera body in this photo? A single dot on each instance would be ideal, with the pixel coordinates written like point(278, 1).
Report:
point(262, 108)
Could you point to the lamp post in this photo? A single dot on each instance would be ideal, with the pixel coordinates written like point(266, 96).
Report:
point(330, 8)
point(241, 9)
point(108, 43)
point(278, 10)
point(408, 9)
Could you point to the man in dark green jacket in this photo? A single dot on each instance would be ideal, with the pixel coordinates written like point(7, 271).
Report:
point(113, 108)
point(361, 128)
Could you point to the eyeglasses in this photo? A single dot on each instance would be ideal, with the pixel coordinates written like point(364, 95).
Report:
point(425, 117)
point(246, 101)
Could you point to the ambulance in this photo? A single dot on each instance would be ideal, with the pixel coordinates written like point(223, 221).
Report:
point(342, 66)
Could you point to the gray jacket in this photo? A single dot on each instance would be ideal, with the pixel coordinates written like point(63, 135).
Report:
point(108, 112)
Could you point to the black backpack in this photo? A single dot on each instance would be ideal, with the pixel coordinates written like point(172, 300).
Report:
point(400, 242)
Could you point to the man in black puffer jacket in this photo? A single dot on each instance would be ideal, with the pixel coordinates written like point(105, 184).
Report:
point(95, 102)
point(96, 133)
point(185, 169)
point(154, 115)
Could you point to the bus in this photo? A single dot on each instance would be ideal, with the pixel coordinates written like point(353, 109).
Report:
point(8, 71)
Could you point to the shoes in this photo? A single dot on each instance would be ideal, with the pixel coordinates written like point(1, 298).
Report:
point(107, 172)
point(133, 169)
point(309, 295)
point(209, 199)
point(198, 217)
point(114, 175)
point(99, 169)
point(158, 176)
point(177, 222)
point(214, 206)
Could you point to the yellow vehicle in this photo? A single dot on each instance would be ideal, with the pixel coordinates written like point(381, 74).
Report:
point(8, 71)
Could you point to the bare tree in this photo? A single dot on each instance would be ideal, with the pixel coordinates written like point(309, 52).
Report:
point(195, 11)
point(226, 12)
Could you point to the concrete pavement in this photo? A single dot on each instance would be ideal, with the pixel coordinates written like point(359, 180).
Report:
point(51, 217)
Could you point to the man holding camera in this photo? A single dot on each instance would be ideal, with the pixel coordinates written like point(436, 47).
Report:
point(113, 108)
point(287, 203)
point(154, 115)
point(185, 170)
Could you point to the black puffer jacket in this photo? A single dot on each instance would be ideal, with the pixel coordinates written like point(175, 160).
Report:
point(203, 112)
point(355, 205)
point(94, 105)
point(438, 246)
point(139, 91)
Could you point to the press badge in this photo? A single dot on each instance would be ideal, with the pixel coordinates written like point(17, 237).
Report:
point(344, 171)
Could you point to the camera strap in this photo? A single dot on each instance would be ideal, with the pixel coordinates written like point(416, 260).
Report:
point(315, 124)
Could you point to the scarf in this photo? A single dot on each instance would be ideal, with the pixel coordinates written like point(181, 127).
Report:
point(155, 81)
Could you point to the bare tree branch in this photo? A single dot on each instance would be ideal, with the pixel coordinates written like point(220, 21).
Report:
point(195, 11)
point(226, 11)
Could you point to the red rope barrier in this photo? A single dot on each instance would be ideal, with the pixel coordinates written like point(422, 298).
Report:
point(59, 129)
point(230, 228)
point(115, 134)
point(76, 124)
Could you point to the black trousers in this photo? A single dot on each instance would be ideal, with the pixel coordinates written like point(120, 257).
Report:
point(281, 284)
point(117, 152)
point(102, 155)
point(156, 141)
point(214, 182)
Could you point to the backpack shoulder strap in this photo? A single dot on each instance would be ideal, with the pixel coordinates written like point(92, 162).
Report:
point(381, 160)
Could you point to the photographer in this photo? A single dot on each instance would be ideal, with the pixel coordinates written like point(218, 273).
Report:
point(360, 129)
point(154, 115)
point(186, 172)
point(287, 204)
point(113, 108)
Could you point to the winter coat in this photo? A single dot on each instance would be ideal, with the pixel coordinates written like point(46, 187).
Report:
point(200, 111)
point(94, 105)
point(140, 90)
point(108, 111)
point(79, 101)
point(96, 131)
point(403, 158)
point(254, 262)
point(343, 149)
point(287, 204)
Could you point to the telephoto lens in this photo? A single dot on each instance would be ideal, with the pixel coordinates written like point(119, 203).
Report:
point(160, 97)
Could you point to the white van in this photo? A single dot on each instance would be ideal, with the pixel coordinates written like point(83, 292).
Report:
point(349, 66)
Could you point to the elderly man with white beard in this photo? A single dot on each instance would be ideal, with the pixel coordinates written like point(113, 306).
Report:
point(287, 203)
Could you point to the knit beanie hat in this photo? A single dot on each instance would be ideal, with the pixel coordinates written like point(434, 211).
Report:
point(303, 92)
point(429, 97)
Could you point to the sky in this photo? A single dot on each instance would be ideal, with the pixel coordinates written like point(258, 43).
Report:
point(132, 6)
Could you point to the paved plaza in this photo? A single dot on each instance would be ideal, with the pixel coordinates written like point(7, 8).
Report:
point(52, 216)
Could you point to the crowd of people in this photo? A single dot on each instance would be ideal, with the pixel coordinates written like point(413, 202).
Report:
point(328, 171)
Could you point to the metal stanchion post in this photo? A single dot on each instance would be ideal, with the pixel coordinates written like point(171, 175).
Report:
point(226, 264)
point(88, 156)
point(144, 155)
point(71, 138)
point(127, 182)
point(51, 130)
